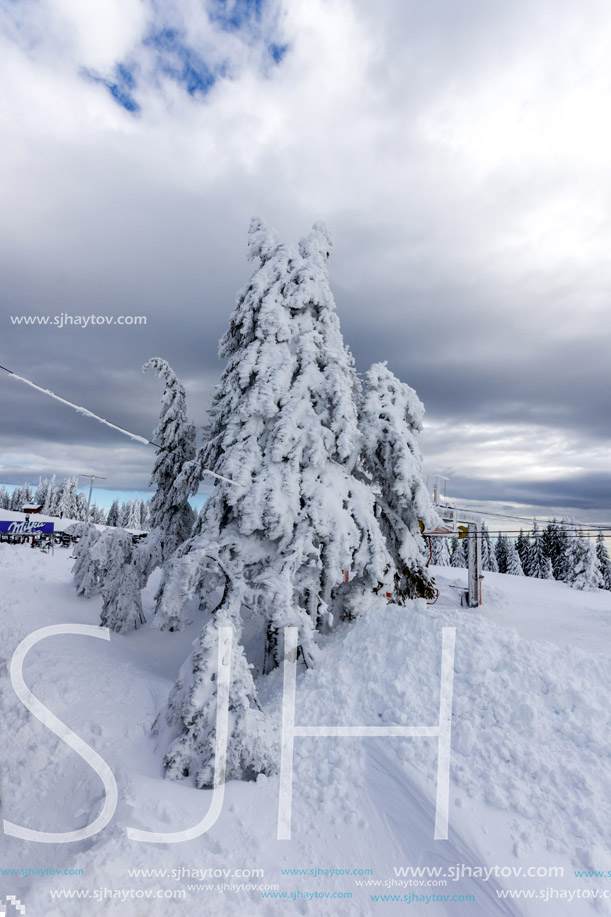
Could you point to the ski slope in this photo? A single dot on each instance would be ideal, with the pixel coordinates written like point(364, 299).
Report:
point(529, 767)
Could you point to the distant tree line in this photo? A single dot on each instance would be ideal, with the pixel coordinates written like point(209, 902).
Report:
point(64, 501)
point(560, 551)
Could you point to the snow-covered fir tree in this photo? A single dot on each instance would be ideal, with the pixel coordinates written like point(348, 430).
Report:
point(441, 554)
point(523, 548)
point(489, 564)
point(513, 563)
point(66, 502)
point(98, 516)
point(125, 513)
point(171, 517)
point(538, 564)
point(16, 501)
point(4, 498)
point(114, 512)
point(390, 418)
point(296, 503)
point(458, 557)
point(586, 568)
point(50, 498)
point(500, 552)
point(86, 571)
point(119, 579)
point(192, 711)
point(134, 520)
point(604, 563)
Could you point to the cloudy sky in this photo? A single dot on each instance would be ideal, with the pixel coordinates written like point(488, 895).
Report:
point(461, 152)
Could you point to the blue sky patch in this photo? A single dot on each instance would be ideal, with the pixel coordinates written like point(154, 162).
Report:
point(175, 59)
point(233, 15)
point(120, 86)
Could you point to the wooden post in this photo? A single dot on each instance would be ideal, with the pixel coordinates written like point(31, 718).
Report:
point(474, 555)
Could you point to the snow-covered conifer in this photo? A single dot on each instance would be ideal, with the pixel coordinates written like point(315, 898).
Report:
point(514, 565)
point(441, 554)
point(85, 570)
point(170, 513)
point(489, 564)
point(604, 563)
point(192, 710)
point(50, 497)
point(538, 564)
point(114, 512)
point(4, 498)
point(500, 552)
point(586, 570)
point(458, 557)
point(125, 513)
point(390, 417)
point(134, 521)
point(119, 581)
point(300, 508)
point(16, 500)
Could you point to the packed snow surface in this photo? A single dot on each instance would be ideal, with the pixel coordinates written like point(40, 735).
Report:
point(530, 774)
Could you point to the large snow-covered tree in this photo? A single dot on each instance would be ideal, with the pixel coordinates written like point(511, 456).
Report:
point(390, 418)
point(295, 504)
point(171, 516)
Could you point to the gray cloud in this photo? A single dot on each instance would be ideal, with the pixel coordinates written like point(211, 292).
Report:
point(461, 156)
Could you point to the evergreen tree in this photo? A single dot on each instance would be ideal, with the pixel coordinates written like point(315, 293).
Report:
point(16, 501)
point(125, 512)
point(192, 709)
point(514, 565)
point(4, 498)
point(390, 418)
point(539, 564)
point(171, 515)
point(66, 501)
point(458, 557)
point(586, 572)
point(26, 495)
point(604, 564)
point(98, 516)
point(489, 564)
point(81, 507)
point(296, 502)
point(114, 513)
point(86, 571)
point(146, 516)
point(134, 521)
point(500, 552)
point(119, 580)
point(441, 554)
point(523, 549)
point(571, 552)
point(50, 498)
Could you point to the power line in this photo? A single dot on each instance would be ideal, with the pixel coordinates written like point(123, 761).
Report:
point(81, 410)
point(590, 525)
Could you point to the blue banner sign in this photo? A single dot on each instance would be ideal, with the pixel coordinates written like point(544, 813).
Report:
point(25, 526)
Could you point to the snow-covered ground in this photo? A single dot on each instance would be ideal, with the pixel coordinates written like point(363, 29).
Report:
point(530, 764)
